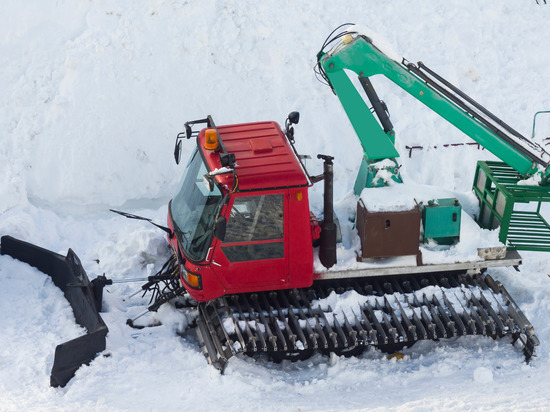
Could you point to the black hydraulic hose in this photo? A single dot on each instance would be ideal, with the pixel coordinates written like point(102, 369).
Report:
point(459, 92)
point(460, 102)
point(378, 105)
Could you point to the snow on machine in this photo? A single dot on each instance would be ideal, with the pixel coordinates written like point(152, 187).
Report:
point(265, 274)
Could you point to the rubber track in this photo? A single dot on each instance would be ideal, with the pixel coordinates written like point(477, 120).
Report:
point(387, 313)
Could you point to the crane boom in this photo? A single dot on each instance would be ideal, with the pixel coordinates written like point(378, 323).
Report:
point(359, 54)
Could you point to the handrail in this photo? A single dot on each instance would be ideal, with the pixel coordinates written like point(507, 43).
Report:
point(534, 120)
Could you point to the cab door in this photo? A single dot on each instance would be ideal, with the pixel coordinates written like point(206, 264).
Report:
point(253, 254)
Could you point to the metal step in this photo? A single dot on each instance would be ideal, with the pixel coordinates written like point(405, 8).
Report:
point(347, 316)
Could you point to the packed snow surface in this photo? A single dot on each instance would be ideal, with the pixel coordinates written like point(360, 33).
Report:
point(93, 95)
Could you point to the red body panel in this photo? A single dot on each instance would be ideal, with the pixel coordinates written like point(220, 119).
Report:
point(264, 157)
point(266, 165)
point(251, 275)
point(299, 239)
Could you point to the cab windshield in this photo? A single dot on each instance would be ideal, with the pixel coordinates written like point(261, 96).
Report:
point(193, 210)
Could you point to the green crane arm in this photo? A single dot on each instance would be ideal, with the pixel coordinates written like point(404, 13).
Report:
point(358, 54)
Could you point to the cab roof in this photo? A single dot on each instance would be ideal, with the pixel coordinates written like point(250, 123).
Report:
point(264, 157)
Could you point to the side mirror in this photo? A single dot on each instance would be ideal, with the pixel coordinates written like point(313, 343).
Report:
point(219, 228)
point(294, 118)
point(177, 152)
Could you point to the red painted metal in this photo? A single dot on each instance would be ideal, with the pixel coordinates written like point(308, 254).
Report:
point(266, 165)
point(264, 157)
point(299, 240)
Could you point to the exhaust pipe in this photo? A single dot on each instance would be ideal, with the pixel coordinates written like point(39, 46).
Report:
point(327, 249)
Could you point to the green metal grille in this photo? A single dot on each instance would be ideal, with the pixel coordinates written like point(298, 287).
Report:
point(528, 231)
point(504, 203)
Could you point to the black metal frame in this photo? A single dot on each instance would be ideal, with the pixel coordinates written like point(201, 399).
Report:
point(67, 274)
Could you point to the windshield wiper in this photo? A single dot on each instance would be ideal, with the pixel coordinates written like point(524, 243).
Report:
point(131, 216)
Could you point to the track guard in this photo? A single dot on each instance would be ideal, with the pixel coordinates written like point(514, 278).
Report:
point(67, 274)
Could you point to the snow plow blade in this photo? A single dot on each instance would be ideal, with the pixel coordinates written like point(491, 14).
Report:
point(387, 313)
point(67, 274)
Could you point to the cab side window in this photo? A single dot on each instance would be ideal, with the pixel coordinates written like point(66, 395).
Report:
point(255, 228)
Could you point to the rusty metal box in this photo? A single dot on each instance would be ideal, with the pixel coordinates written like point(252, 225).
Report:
point(388, 233)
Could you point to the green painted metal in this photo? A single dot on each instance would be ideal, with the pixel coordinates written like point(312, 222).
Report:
point(441, 221)
point(367, 176)
point(496, 183)
point(376, 144)
point(516, 209)
point(535, 119)
point(363, 58)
